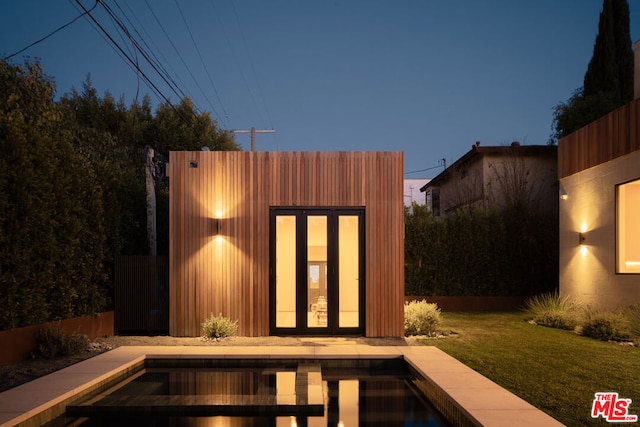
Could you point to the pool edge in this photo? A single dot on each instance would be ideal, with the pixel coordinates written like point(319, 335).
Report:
point(464, 396)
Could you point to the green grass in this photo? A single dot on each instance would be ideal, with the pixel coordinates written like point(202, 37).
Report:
point(557, 371)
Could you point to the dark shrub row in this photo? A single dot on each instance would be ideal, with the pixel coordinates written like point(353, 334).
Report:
point(481, 252)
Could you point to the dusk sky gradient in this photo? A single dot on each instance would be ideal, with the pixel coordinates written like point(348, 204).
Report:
point(425, 77)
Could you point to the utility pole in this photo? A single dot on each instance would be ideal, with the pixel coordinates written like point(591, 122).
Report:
point(150, 184)
point(253, 135)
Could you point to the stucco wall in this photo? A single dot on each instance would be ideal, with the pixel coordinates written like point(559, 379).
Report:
point(588, 271)
point(529, 180)
point(491, 179)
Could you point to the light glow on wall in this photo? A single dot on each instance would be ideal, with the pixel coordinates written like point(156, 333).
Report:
point(581, 244)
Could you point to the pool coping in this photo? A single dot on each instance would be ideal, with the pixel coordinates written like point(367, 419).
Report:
point(464, 396)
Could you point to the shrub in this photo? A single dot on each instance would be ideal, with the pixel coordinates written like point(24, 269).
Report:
point(606, 326)
point(420, 318)
point(219, 327)
point(552, 311)
point(632, 314)
point(53, 342)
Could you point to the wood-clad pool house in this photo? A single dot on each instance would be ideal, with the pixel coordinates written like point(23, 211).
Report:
point(304, 243)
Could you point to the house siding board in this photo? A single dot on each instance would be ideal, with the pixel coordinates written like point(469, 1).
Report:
point(232, 277)
point(609, 137)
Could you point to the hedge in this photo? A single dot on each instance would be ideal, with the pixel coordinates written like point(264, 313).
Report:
point(481, 252)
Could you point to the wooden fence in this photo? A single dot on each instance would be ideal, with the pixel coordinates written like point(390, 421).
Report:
point(141, 297)
point(19, 344)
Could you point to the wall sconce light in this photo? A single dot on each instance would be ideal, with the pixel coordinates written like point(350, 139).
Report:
point(216, 226)
point(581, 238)
point(564, 196)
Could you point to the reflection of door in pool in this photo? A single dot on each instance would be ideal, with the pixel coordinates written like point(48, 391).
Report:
point(317, 271)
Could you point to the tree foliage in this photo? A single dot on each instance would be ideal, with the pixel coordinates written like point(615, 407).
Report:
point(51, 210)
point(72, 193)
point(610, 70)
point(608, 81)
point(179, 127)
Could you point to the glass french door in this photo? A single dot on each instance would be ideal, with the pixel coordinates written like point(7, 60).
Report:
point(317, 271)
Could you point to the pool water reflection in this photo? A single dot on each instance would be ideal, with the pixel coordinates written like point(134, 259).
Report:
point(294, 394)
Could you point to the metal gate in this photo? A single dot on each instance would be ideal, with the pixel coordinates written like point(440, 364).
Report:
point(141, 295)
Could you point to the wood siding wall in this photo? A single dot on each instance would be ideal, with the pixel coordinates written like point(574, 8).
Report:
point(614, 135)
point(230, 274)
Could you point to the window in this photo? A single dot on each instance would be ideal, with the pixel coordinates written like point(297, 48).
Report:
point(628, 227)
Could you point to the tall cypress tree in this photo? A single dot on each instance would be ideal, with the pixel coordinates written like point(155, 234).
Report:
point(610, 70)
point(608, 82)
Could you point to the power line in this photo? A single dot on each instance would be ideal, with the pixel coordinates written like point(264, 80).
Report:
point(178, 53)
point(135, 54)
point(131, 62)
point(442, 163)
point(51, 33)
point(156, 58)
point(144, 53)
point(203, 65)
point(245, 44)
point(101, 34)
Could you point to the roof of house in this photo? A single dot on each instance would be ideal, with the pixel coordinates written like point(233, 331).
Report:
point(478, 151)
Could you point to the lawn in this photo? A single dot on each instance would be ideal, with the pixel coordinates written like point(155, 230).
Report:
point(554, 370)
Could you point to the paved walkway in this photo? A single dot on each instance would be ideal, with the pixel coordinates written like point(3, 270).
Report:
point(448, 383)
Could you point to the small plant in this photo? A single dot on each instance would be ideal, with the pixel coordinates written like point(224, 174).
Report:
point(54, 342)
point(421, 318)
point(552, 311)
point(215, 327)
point(606, 326)
point(632, 314)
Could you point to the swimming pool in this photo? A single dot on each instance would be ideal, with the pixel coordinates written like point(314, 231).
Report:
point(465, 397)
point(291, 393)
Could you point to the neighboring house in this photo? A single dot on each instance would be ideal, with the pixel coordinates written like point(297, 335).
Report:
point(412, 191)
point(599, 172)
point(304, 243)
point(522, 176)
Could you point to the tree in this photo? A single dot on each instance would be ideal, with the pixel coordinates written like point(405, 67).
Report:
point(72, 193)
point(111, 138)
point(51, 211)
point(610, 70)
point(608, 81)
point(180, 127)
point(519, 182)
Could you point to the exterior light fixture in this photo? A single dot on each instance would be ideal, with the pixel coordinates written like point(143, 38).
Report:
point(581, 238)
point(193, 164)
point(564, 197)
point(216, 226)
